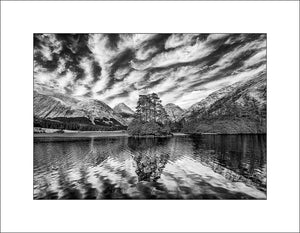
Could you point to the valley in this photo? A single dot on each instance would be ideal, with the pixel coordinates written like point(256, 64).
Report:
point(235, 109)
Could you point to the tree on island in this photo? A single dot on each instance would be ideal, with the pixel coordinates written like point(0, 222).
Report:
point(150, 117)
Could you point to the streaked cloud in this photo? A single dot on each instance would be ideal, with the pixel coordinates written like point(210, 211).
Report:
point(114, 68)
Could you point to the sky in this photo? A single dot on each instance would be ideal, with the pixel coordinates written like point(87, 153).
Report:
point(116, 68)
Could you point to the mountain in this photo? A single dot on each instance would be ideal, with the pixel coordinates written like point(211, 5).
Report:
point(125, 112)
point(174, 111)
point(208, 101)
point(65, 112)
point(239, 108)
point(122, 108)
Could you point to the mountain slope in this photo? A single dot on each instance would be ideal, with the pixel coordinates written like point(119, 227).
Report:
point(125, 112)
point(122, 108)
point(174, 111)
point(67, 110)
point(239, 108)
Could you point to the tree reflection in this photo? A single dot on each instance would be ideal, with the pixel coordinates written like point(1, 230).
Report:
point(138, 144)
point(149, 156)
point(150, 165)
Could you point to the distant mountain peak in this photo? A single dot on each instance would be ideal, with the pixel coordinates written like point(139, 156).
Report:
point(123, 108)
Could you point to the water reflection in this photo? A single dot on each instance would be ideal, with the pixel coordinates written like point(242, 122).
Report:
point(206, 167)
point(240, 157)
point(149, 157)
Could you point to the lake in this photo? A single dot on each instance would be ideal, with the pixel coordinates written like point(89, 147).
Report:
point(179, 167)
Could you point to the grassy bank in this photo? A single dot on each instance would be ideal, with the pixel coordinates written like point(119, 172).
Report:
point(79, 134)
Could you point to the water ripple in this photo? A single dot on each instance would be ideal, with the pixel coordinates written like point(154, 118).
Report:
point(212, 167)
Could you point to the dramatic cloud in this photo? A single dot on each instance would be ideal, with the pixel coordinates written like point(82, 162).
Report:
point(114, 68)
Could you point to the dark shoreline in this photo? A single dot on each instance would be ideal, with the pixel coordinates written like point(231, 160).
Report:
point(90, 134)
point(107, 134)
point(200, 134)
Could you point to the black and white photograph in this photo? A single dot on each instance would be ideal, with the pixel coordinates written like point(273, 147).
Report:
point(150, 116)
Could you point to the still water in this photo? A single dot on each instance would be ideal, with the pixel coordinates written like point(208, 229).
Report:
point(180, 167)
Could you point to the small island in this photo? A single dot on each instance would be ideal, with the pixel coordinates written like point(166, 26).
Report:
point(150, 119)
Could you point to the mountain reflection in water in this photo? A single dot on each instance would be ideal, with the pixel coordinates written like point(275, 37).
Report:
point(181, 167)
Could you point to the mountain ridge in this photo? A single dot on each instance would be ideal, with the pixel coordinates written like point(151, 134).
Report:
point(239, 108)
point(64, 109)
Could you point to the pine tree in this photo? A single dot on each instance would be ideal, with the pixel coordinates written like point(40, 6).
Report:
point(149, 108)
point(154, 102)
